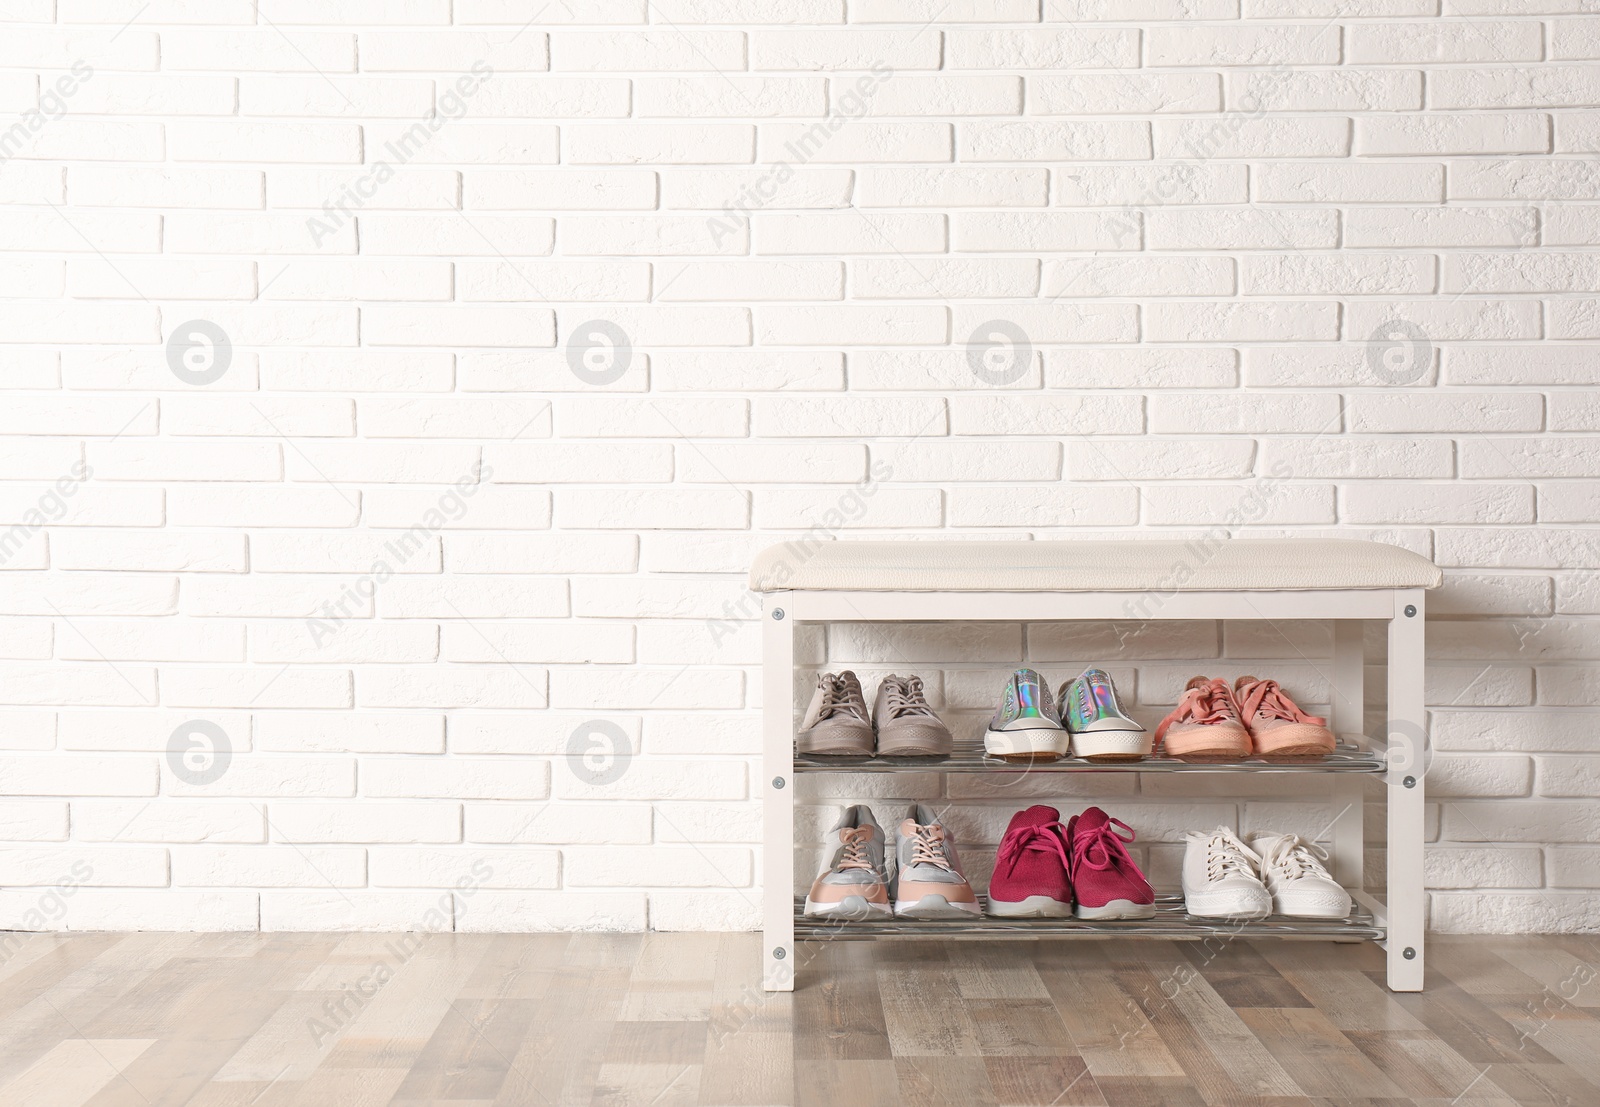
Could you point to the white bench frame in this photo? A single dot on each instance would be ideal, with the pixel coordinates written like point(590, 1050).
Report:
point(1401, 913)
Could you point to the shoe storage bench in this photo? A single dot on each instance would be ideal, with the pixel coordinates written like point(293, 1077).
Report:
point(1344, 581)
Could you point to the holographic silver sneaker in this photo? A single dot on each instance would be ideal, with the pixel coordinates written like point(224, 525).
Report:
point(1101, 730)
point(1026, 726)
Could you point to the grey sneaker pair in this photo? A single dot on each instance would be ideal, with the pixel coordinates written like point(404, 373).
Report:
point(901, 724)
point(860, 881)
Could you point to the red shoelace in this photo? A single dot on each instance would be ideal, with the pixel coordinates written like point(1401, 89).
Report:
point(1041, 838)
point(1102, 847)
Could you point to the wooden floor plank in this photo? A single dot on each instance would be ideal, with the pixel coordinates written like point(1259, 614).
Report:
point(1324, 1062)
point(931, 1081)
point(666, 1019)
point(838, 1016)
point(1062, 1081)
point(1218, 1052)
point(830, 1083)
point(72, 1072)
point(1352, 1001)
point(924, 1014)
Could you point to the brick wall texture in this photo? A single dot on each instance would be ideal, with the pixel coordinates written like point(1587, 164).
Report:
point(392, 394)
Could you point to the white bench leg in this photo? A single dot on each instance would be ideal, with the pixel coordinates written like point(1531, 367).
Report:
point(1346, 717)
point(1407, 722)
point(777, 789)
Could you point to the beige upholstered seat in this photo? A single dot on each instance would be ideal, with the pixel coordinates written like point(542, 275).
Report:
point(1136, 565)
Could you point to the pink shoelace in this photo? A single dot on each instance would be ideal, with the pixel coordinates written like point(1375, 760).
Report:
point(928, 847)
point(1203, 705)
point(1264, 697)
point(855, 848)
point(1042, 838)
point(1103, 847)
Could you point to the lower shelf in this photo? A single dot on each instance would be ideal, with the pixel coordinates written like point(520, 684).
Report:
point(1171, 921)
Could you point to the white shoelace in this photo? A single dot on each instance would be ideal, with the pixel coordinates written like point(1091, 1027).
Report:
point(1293, 857)
point(1226, 855)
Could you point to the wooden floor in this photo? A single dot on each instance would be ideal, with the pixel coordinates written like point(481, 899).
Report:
point(147, 1020)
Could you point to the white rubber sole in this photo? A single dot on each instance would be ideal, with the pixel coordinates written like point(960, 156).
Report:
point(1032, 744)
point(934, 907)
point(831, 748)
point(1117, 909)
point(1231, 907)
point(1121, 745)
point(851, 907)
point(1033, 907)
point(1309, 907)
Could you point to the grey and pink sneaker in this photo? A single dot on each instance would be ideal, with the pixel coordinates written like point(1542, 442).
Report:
point(928, 881)
point(853, 883)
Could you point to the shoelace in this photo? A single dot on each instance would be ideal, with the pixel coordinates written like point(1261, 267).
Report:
point(1041, 838)
point(855, 854)
point(1294, 857)
point(905, 697)
point(1264, 697)
point(836, 698)
point(927, 848)
point(1226, 855)
point(1207, 704)
point(1102, 848)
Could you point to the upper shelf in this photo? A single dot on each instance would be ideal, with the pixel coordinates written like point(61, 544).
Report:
point(969, 757)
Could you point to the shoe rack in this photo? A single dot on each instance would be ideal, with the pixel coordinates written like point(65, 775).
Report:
point(1395, 921)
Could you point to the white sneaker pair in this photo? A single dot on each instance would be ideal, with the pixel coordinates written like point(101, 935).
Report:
point(1277, 874)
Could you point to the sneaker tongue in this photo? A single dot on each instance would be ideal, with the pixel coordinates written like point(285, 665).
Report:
point(1197, 682)
point(1037, 815)
point(1092, 819)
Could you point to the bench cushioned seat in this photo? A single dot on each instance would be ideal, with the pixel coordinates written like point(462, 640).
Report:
point(1137, 565)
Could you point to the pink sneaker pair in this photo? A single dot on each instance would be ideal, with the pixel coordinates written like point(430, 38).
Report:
point(1213, 722)
point(1043, 869)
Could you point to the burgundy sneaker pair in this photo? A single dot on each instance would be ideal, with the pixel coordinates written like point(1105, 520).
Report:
point(1043, 868)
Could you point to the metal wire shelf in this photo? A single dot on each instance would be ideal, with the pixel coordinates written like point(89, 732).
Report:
point(969, 757)
point(1170, 921)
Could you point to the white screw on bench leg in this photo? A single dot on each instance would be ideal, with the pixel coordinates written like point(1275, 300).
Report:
point(777, 728)
point(1406, 709)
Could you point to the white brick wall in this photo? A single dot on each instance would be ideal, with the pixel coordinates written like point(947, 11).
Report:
point(1284, 268)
